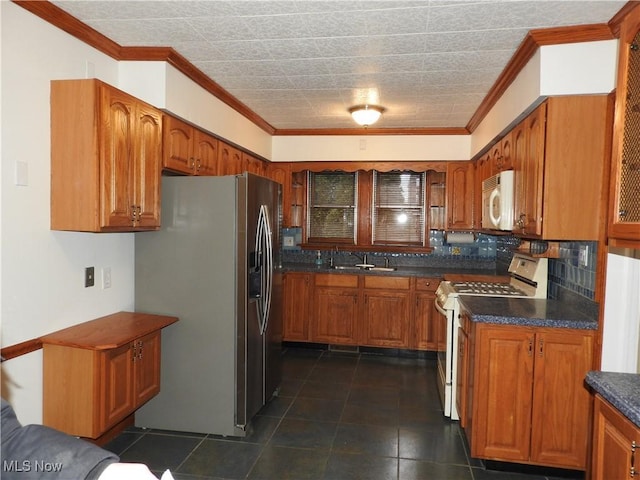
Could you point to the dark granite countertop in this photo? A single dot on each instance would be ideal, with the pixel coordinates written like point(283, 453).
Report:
point(535, 312)
point(622, 390)
point(438, 272)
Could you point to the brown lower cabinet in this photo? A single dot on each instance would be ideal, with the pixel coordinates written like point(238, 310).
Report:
point(334, 318)
point(98, 373)
point(614, 445)
point(367, 310)
point(523, 396)
point(429, 332)
point(297, 299)
point(384, 314)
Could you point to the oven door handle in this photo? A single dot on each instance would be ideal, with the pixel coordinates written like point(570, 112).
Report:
point(440, 309)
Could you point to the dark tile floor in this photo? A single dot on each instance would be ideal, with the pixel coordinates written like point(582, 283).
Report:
point(339, 416)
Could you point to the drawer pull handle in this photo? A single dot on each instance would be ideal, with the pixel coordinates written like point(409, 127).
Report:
point(633, 472)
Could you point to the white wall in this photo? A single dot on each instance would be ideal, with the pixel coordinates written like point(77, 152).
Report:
point(521, 94)
point(371, 148)
point(163, 86)
point(579, 68)
point(621, 315)
point(41, 270)
point(569, 69)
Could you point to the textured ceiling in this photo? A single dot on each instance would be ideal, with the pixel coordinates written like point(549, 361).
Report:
point(301, 64)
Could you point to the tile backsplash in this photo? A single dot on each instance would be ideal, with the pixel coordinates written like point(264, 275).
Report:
point(568, 273)
point(483, 252)
point(480, 253)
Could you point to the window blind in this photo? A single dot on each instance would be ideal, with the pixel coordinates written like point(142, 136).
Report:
point(332, 206)
point(398, 208)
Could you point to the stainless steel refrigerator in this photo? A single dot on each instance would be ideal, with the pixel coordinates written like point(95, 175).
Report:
point(213, 264)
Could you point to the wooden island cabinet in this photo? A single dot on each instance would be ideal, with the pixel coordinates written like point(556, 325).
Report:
point(97, 373)
point(515, 385)
point(615, 444)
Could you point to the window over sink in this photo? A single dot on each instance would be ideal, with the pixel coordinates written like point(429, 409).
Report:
point(332, 207)
point(398, 213)
point(367, 208)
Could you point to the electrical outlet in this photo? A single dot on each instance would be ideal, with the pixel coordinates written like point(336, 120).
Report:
point(106, 277)
point(583, 256)
point(89, 277)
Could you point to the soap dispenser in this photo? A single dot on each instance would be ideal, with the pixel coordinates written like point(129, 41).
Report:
point(318, 259)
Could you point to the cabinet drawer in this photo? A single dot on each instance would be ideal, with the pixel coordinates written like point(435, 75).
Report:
point(336, 280)
point(396, 283)
point(429, 284)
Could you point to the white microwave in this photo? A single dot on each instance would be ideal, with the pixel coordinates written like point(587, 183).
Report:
point(498, 193)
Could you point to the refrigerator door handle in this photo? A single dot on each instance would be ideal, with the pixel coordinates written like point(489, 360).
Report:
point(264, 249)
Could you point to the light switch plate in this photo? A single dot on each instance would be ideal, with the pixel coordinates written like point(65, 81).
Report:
point(22, 174)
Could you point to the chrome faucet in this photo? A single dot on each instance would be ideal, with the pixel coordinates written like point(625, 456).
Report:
point(363, 259)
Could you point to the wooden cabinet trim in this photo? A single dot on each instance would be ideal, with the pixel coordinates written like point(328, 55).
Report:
point(111, 331)
point(393, 283)
point(335, 280)
point(429, 284)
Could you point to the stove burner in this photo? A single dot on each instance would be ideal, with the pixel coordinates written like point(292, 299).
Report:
point(488, 288)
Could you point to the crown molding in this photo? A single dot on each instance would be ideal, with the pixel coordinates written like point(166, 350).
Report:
point(56, 16)
point(529, 46)
point(534, 40)
point(373, 131)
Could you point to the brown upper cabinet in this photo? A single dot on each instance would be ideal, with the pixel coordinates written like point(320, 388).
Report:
point(281, 172)
point(460, 195)
point(254, 165)
point(560, 157)
point(561, 166)
point(187, 149)
point(624, 219)
point(559, 153)
point(106, 157)
point(229, 160)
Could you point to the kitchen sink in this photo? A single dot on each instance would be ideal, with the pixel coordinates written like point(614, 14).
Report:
point(358, 267)
point(381, 269)
point(346, 267)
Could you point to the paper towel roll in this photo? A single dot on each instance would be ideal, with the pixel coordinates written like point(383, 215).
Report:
point(460, 237)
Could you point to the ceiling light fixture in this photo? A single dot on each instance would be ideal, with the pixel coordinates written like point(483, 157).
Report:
point(366, 115)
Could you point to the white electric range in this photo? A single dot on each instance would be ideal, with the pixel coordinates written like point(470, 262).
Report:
point(528, 278)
